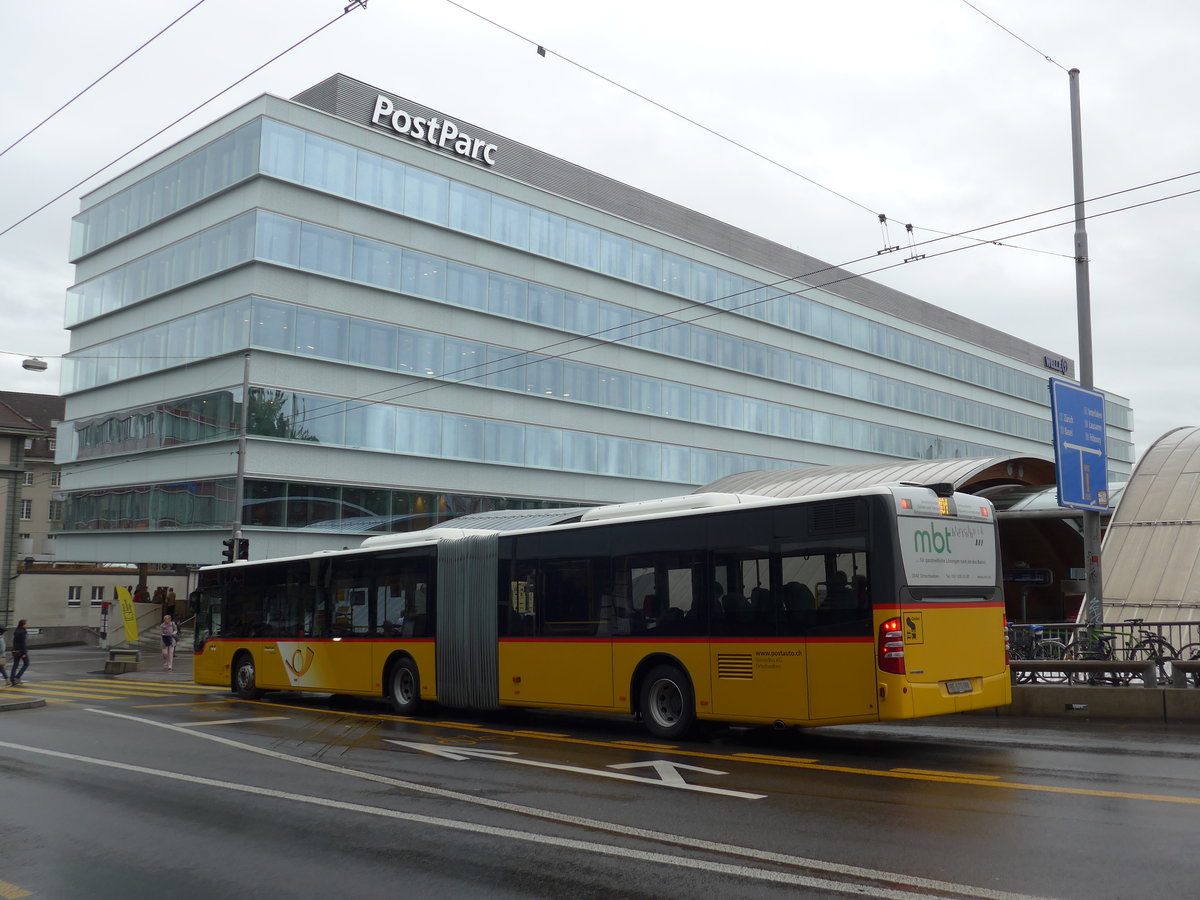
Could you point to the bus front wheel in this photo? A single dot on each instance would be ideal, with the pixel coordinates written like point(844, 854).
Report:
point(406, 688)
point(667, 705)
point(244, 678)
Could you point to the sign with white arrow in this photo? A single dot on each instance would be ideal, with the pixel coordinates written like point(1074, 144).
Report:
point(666, 770)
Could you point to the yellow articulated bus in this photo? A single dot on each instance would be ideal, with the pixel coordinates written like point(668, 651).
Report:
point(871, 605)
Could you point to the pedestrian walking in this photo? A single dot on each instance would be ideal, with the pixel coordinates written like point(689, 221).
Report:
point(20, 653)
point(3, 656)
point(170, 633)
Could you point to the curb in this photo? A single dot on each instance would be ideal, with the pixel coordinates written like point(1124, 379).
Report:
point(30, 703)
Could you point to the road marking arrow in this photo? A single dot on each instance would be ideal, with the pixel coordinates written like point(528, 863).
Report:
point(667, 771)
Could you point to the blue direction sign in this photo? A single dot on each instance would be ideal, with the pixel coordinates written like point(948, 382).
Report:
point(1080, 448)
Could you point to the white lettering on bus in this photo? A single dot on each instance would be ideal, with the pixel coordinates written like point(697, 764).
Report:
point(419, 128)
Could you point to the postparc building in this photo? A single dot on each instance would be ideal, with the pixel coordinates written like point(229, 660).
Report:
point(417, 318)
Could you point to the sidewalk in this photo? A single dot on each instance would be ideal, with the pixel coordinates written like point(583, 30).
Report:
point(64, 663)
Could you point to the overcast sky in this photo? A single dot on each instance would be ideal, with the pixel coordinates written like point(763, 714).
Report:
point(924, 110)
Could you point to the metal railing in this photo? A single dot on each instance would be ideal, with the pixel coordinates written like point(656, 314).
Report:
point(1108, 653)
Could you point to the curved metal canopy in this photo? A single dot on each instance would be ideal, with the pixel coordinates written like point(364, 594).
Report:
point(966, 474)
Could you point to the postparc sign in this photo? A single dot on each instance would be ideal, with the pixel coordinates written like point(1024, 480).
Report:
point(443, 133)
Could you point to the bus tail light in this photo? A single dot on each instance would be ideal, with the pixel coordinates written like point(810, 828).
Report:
point(891, 647)
point(1007, 642)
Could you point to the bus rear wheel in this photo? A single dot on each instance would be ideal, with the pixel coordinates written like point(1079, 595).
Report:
point(244, 678)
point(668, 706)
point(405, 692)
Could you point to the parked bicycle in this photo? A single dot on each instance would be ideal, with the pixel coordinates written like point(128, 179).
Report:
point(1114, 644)
point(1039, 646)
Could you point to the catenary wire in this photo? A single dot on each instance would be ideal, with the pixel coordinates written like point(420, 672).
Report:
point(142, 47)
point(1013, 34)
point(349, 9)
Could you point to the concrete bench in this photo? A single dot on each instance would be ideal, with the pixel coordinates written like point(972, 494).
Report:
point(1146, 669)
point(121, 660)
point(1181, 669)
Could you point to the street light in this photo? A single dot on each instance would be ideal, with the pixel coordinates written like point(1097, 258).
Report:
point(33, 364)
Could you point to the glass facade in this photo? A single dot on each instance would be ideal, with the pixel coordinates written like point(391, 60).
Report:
point(276, 504)
point(287, 328)
point(323, 164)
point(326, 251)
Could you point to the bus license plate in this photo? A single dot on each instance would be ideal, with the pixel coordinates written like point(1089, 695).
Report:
point(962, 686)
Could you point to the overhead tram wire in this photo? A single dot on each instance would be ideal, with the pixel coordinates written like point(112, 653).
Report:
point(713, 312)
point(142, 47)
point(542, 50)
point(1013, 34)
point(355, 4)
point(709, 310)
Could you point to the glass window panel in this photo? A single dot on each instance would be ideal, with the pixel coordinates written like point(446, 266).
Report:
point(676, 463)
point(180, 334)
point(647, 332)
point(320, 334)
point(729, 410)
point(510, 222)
point(582, 314)
point(236, 333)
point(703, 406)
point(426, 196)
point(507, 296)
point(278, 239)
point(615, 322)
point(547, 234)
point(377, 263)
point(371, 426)
point(614, 389)
point(504, 442)
point(372, 344)
point(677, 340)
point(208, 329)
point(326, 251)
point(470, 209)
point(274, 325)
point(423, 275)
point(676, 400)
point(616, 255)
point(418, 431)
point(466, 286)
point(583, 245)
point(544, 376)
point(464, 361)
point(647, 394)
point(543, 447)
point(329, 165)
point(647, 265)
point(462, 437)
point(579, 451)
point(580, 383)
point(546, 306)
point(380, 181)
point(506, 369)
point(677, 275)
point(317, 419)
point(645, 460)
point(420, 353)
point(614, 456)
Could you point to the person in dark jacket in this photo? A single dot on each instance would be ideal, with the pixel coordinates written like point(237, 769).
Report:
point(20, 653)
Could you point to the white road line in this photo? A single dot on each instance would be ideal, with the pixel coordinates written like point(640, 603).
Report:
point(531, 837)
point(690, 843)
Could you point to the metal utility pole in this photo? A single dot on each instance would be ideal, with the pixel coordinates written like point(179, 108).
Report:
point(240, 479)
point(1083, 300)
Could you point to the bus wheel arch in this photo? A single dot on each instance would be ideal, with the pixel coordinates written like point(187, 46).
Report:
point(244, 676)
point(402, 684)
point(666, 698)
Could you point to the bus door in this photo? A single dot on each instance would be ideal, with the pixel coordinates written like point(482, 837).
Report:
point(842, 681)
point(758, 663)
point(557, 650)
point(346, 592)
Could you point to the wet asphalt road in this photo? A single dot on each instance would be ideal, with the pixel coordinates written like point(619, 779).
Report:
point(147, 785)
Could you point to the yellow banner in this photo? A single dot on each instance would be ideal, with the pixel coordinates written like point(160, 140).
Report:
point(128, 614)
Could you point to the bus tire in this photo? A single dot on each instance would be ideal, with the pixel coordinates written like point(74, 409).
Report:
point(244, 677)
point(668, 706)
point(405, 688)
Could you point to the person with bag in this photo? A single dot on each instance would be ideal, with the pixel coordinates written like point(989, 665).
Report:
point(170, 633)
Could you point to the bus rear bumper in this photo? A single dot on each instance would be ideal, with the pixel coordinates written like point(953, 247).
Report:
point(902, 699)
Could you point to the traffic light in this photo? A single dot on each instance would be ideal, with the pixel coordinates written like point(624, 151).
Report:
point(227, 553)
point(243, 548)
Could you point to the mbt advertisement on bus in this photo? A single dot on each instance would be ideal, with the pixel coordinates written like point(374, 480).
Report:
point(948, 552)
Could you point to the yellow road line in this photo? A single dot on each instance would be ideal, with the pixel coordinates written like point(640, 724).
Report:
point(784, 761)
point(59, 692)
point(12, 892)
point(944, 774)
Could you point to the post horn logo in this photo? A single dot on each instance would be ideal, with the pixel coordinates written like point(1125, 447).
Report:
point(301, 661)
